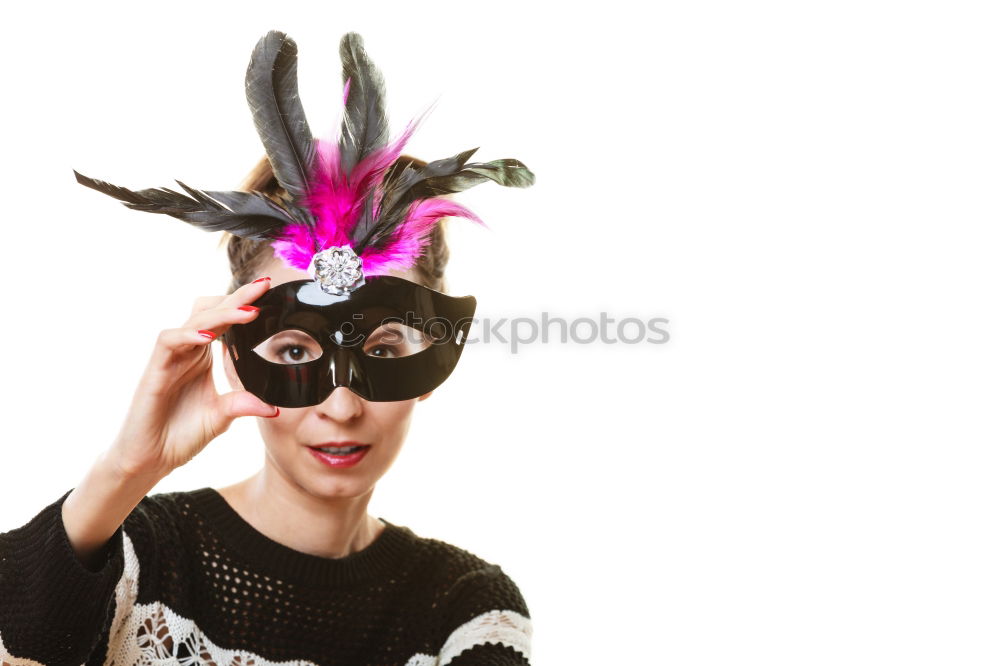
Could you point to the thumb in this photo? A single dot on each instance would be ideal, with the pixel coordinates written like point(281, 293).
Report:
point(238, 403)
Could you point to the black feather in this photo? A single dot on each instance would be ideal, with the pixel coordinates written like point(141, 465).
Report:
point(245, 214)
point(365, 127)
point(396, 189)
point(273, 94)
point(507, 172)
point(446, 176)
point(364, 227)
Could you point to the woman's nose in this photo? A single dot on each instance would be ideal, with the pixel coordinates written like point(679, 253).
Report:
point(342, 405)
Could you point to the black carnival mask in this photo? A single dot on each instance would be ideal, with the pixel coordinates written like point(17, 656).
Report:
point(388, 340)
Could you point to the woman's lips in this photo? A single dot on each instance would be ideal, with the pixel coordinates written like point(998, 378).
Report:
point(340, 459)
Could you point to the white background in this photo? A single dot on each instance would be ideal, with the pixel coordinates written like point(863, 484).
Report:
point(805, 474)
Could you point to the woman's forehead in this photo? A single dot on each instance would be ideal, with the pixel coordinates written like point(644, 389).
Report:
point(279, 272)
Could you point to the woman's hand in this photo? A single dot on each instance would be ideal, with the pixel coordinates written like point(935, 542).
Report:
point(174, 414)
point(176, 410)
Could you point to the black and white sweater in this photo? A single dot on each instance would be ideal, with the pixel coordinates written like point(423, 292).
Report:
point(186, 580)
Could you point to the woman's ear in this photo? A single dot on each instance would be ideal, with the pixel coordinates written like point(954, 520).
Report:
point(227, 365)
point(425, 395)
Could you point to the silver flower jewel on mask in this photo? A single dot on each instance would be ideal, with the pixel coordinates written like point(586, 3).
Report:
point(337, 270)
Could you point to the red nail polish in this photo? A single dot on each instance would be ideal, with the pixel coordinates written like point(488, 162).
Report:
point(260, 279)
point(206, 334)
point(249, 308)
point(276, 412)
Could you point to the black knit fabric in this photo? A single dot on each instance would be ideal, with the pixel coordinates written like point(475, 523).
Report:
point(198, 560)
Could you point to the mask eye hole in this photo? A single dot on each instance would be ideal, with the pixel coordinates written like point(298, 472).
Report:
point(289, 347)
point(396, 340)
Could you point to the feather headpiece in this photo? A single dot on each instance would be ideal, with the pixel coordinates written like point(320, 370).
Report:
point(348, 214)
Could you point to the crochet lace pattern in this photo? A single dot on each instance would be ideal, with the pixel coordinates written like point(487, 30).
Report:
point(187, 581)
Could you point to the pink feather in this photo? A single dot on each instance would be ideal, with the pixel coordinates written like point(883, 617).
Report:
point(410, 238)
point(337, 202)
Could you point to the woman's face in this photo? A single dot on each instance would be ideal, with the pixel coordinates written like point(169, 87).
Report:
point(342, 417)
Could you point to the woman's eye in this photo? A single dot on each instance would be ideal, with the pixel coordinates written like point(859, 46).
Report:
point(292, 354)
point(382, 351)
point(289, 347)
point(395, 340)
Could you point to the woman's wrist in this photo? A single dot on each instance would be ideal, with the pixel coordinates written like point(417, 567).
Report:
point(99, 504)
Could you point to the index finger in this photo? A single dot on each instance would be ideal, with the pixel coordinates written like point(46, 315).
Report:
point(246, 294)
point(204, 303)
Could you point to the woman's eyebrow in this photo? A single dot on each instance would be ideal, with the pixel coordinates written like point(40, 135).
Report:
point(293, 334)
point(386, 332)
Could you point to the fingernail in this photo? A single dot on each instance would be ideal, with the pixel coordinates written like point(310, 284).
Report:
point(260, 279)
point(249, 308)
point(276, 412)
point(206, 334)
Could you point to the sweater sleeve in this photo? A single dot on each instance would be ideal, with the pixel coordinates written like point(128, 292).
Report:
point(487, 620)
point(53, 608)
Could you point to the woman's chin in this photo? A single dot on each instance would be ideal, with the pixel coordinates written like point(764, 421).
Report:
point(337, 488)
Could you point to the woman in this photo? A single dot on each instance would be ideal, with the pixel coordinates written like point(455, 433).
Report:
point(286, 566)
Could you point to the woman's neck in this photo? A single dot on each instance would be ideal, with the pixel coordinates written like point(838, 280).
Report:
point(294, 518)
